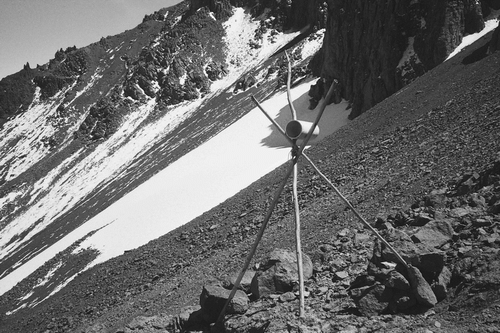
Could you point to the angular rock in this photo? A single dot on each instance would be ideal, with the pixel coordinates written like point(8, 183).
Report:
point(245, 282)
point(434, 234)
point(495, 208)
point(397, 280)
point(437, 198)
point(440, 287)
point(461, 212)
point(279, 273)
point(421, 220)
point(148, 323)
point(213, 298)
point(341, 275)
point(476, 200)
point(256, 322)
point(372, 300)
point(421, 288)
point(363, 280)
point(287, 297)
point(429, 260)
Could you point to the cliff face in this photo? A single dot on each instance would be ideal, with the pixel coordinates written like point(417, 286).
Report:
point(374, 48)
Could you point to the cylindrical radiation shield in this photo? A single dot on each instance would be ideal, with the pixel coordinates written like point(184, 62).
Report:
point(298, 129)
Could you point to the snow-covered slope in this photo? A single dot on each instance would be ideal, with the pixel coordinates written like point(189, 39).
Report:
point(100, 202)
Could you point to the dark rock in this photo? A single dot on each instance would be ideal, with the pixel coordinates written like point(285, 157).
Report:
point(436, 199)
point(374, 269)
point(477, 200)
point(245, 283)
point(213, 298)
point(215, 71)
point(372, 300)
point(221, 8)
point(148, 323)
point(279, 273)
point(440, 287)
point(421, 288)
point(257, 322)
point(363, 280)
point(320, 89)
point(481, 222)
point(132, 90)
point(434, 234)
point(245, 83)
point(429, 260)
point(50, 84)
point(401, 219)
point(495, 208)
point(421, 220)
point(397, 280)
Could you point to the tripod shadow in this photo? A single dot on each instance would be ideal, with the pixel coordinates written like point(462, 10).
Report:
point(334, 117)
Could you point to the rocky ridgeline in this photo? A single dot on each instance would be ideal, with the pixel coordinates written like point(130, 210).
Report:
point(450, 239)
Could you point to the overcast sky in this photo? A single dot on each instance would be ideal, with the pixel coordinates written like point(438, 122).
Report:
point(33, 30)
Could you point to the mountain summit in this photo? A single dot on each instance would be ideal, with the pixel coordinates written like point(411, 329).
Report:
point(97, 145)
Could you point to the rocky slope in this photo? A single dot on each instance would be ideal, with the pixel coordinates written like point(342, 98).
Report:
point(440, 133)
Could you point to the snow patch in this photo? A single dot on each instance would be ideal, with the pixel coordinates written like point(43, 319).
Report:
point(177, 20)
point(25, 134)
point(182, 79)
point(165, 201)
point(313, 45)
point(240, 29)
point(408, 55)
point(490, 25)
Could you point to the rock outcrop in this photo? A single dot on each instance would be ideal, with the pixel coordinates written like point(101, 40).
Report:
point(290, 14)
point(374, 48)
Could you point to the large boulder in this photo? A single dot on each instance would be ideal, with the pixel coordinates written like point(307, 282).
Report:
point(245, 282)
point(393, 287)
point(440, 287)
point(421, 288)
point(279, 273)
point(213, 298)
point(434, 234)
point(372, 300)
point(428, 260)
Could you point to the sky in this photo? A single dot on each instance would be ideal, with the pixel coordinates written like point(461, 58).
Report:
point(32, 31)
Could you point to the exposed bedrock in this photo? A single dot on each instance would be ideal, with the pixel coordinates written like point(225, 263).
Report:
point(374, 48)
